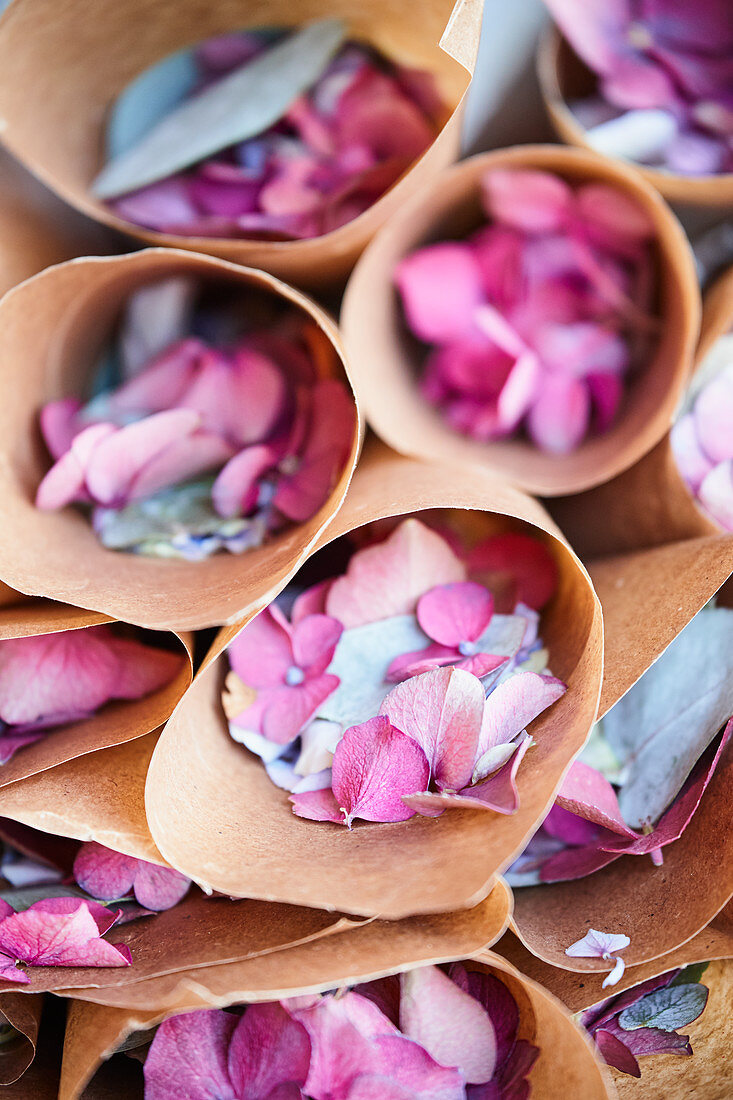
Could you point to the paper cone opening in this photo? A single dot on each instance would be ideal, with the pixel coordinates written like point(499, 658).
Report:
point(51, 329)
point(63, 71)
point(94, 1032)
point(386, 360)
point(18, 1051)
point(564, 77)
point(216, 815)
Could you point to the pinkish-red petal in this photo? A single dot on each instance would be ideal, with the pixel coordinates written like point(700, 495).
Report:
point(268, 1049)
point(525, 559)
point(373, 766)
point(104, 873)
point(455, 613)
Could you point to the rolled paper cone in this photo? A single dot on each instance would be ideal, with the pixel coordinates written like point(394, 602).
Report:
point(41, 1079)
point(51, 330)
point(17, 1053)
point(55, 99)
point(386, 360)
point(647, 599)
point(564, 77)
point(94, 1032)
point(117, 721)
point(650, 503)
point(216, 815)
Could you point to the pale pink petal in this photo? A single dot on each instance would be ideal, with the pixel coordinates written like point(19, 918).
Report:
point(59, 939)
point(162, 382)
point(188, 1057)
point(608, 213)
point(289, 708)
point(184, 460)
point(559, 418)
point(142, 668)
point(317, 806)
point(58, 425)
point(373, 766)
point(159, 888)
point(311, 602)
point(104, 873)
point(513, 704)
point(237, 486)
point(598, 945)
point(454, 613)
point(441, 289)
point(693, 463)
point(713, 414)
point(268, 1049)
point(448, 1023)
point(442, 711)
point(389, 578)
point(66, 480)
point(588, 794)
point(533, 201)
point(518, 392)
point(716, 494)
point(523, 558)
point(502, 332)
point(314, 641)
point(262, 652)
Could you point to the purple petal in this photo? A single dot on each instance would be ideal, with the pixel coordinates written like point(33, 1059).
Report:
point(616, 1053)
point(159, 888)
point(373, 766)
point(587, 793)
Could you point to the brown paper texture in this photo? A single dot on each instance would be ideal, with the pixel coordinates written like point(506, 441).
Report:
point(564, 77)
point(63, 71)
point(649, 504)
point(117, 721)
point(24, 1014)
point(215, 814)
point(51, 328)
point(385, 360)
point(94, 1032)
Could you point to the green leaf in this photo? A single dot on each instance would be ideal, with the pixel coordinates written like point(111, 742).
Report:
point(235, 108)
point(669, 1008)
point(22, 897)
point(691, 974)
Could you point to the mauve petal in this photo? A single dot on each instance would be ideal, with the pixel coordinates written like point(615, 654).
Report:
point(609, 213)
point(188, 1057)
point(312, 601)
point(268, 1049)
point(59, 939)
point(262, 652)
point(142, 668)
point(293, 188)
point(441, 290)
point(513, 704)
point(9, 745)
point(616, 1054)
point(159, 888)
point(373, 766)
point(716, 494)
point(317, 806)
point(407, 1063)
point(419, 661)
point(692, 462)
point(103, 916)
point(533, 201)
point(224, 189)
point(571, 829)
point(650, 1040)
point(374, 112)
point(66, 480)
point(637, 82)
point(314, 642)
point(597, 32)
point(58, 425)
point(442, 711)
point(104, 873)
point(448, 1023)
point(159, 205)
point(236, 489)
point(162, 382)
point(525, 559)
point(455, 613)
point(713, 414)
point(289, 708)
point(559, 418)
point(587, 793)
point(184, 460)
point(575, 863)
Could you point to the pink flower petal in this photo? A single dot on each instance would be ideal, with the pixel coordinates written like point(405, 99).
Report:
point(317, 806)
point(454, 613)
point(586, 792)
point(142, 669)
point(518, 392)
point(159, 888)
point(559, 418)
point(526, 560)
point(287, 709)
point(448, 1023)
point(58, 425)
point(598, 945)
point(513, 704)
point(716, 494)
point(240, 400)
point(373, 766)
point(389, 578)
point(262, 652)
point(374, 112)
point(609, 213)
point(314, 641)
point(162, 382)
point(236, 489)
point(66, 480)
point(497, 793)
point(267, 1050)
point(159, 205)
point(104, 873)
point(713, 414)
point(692, 461)
point(312, 601)
point(574, 863)
point(59, 939)
point(188, 1057)
point(183, 460)
point(533, 201)
point(440, 286)
point(442, 712)
point(103, 916)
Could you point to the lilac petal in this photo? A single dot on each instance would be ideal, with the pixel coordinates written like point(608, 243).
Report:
point(616, 1053)
point(268, 1049)
point(692, 461)
point(587, 793)
point(188, 1056)
point(533, 201)
point(43, 938)
point(66, 480)
point(159, 205)
point(104, 873)
point(441, 289)
point(616, 974)
point(441, 711)
point(237, 485)
point(513, 704)
point(58, 425)
point(373, 766)
point(448, 1023)
point(159, 888)
point(716, 494)
point(262, 652)
point(559, 418)
point(596, 945)
point(597, 34)
point(317, 806)
point(455, 613)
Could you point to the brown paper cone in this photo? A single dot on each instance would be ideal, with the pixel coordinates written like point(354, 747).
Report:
point(217, 817)
point(41, 1080)
point(118, 721)
point(564, 77)
point(63, 71)
point(51, 328)
point(94, 1032)
point(385, 360)
point(649, 504)
point(24, 1014)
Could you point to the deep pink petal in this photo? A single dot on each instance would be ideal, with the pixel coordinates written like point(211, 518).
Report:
point(103, 916)
point(59, 939)
point(373, 766)
point(236, 489)
point(374, 112)
point(575, 863)
point(455, 613)
point(104, 873)
point(159, 888)
point(513, 704)
point(533, 201)
point(606, 393)
point(525, 559)
point(497, 793)
point(569, 827)
point(188, 1057)
point(268, 1049)
point(441, 289)
point(314, 641)
point(262, 652)
point(615, 1053)
point(289, 708)
point(421, 660)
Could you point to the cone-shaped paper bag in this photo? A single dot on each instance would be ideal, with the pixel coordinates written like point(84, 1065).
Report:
point(62, 71)
point(94, 1032)
point(117, 721)
point(647, 599)
point(41, 1079)
point(51, 329)
point(649, 504)
point(564, 78)
point(386, 360)
point(217, 817)
point(18, 1051)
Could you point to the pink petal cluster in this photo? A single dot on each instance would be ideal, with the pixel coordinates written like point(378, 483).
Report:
point(665, 56)
point(702, 441)
point(336, 150)
point(442, 1037)
point(110, 876)
point(276, 440)
point(49, 679)
point(57, 932)
point(535, 320)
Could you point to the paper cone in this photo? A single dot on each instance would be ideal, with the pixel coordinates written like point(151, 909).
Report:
point(94, 1032)
point(650, 503)
point(51, 329)
point(215, 814)
point(41, 1080)
point(564, 77)
point(117, 721)
point(63, 71)
point(385, 360)
point(647, 599)
point(24, 1014)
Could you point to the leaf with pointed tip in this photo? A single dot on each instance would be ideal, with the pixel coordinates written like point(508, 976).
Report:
point(616, 1053)
point(669, 1008)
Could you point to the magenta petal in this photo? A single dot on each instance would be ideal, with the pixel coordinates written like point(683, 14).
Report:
point(576, 863)
point(103, 916)
point(314, 641)
point(442, 711)
point(533, 201)
point(615, 1053)
point(606, 393)
point(9, 972)
point(188, 1057)
point(237, 486)
point(588, 794)
point(317, 806)
point(403, 1062)
point(513, 704)
point(441, 289)
point(419, 661)
point(499, 792)
point(569, 827)
point(289, 708)
point(66, 480)
point(104, 873)
point(455, 613)
point(268, 1049)
point(373, 766)
point(58, 425)
point(559, 418)
point(59, 939)
point(262, 652)
point(159, 888)
point(159, 205)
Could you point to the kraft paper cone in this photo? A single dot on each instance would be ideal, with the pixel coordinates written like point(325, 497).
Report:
point(24, 1014)
point(649, 504)
point(94, 1032)
point(385, 359)
point(216, 816)
point(51, 329)
point(581, 991)
point(117, 721)
point(63, 71)
point(564, 77)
